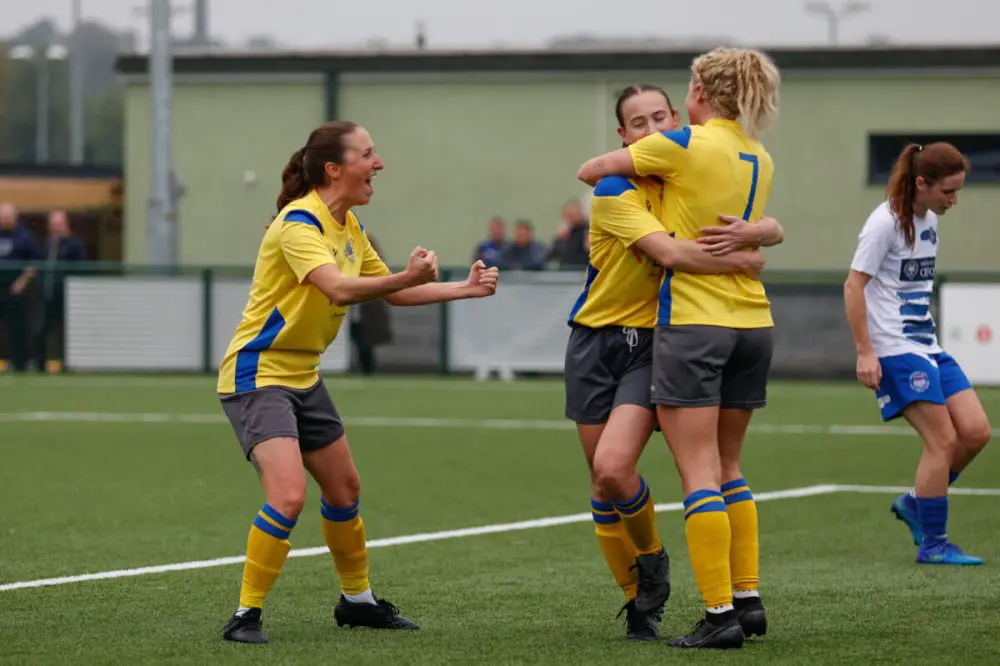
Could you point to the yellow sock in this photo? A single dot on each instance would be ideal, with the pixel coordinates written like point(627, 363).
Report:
point(619, 552)
point(344, 533)
point(267, 549)
point(639, 518)
point(708, 540)
point(744, 554)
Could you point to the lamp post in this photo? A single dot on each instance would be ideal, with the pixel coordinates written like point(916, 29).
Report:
point(833, 15)
point(41, 58)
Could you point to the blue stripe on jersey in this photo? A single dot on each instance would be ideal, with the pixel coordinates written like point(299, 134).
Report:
point(913, 295)
point(666, 299)
point(921, 339)
point(248, 358)
point(613, 186)
point(591, 276)
point(919, 328)
point(305, 217)
point(681, 137)
point(915, 309)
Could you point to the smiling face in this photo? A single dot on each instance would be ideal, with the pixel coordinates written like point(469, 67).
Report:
point(361, 163)
point(645, 113)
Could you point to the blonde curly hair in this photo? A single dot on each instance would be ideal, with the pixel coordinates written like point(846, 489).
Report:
point(740, 83)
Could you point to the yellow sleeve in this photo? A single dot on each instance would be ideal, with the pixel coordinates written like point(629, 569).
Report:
point(618, 209)
point(662, 154)
point(302, 244)
point(371, 263)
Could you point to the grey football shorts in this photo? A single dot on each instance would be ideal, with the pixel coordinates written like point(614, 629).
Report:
point(307, 415)
point(607, 367)
point(704, 366)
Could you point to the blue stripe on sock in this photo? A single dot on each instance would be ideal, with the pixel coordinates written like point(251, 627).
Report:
point(733, 485)
point(339, 514)
point(637, 503)
point(715, 505)
point(276, 516)
point(744, 496)
point(700, 495)
point(268, 528)
point(605, 518)
point(598, 505)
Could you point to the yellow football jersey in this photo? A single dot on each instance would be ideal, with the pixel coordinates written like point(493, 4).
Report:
point(287, 324)
point(622, 283)
point(708, 170)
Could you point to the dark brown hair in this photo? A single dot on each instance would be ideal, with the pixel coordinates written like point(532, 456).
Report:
point(307, 167)
point(932, 163)
point(638, 89)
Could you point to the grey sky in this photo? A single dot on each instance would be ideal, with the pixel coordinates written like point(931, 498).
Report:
point(330, 24)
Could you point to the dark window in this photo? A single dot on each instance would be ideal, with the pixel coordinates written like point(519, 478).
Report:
point(983, 151)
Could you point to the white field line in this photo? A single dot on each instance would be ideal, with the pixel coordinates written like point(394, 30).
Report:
point(791, 493)
point(434, 422)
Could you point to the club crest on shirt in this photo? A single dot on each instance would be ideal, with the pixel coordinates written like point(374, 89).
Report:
point(349, 250)
point(929, 235)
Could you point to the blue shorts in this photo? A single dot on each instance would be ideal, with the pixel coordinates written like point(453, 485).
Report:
point(910, 378)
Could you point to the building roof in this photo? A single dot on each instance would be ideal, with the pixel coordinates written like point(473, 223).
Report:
point(556, 60)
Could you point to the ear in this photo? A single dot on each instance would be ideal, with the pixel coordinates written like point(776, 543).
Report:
point(332, 170)
point(677, 117)
point(621, 133)
point(921, 183)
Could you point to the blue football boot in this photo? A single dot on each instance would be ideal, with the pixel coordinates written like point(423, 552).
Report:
point(945, 552)
point(904, 508)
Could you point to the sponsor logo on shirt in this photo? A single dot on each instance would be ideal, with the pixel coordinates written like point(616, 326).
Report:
point(917, 270)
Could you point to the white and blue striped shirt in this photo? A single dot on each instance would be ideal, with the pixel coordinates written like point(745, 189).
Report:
point(899, 293)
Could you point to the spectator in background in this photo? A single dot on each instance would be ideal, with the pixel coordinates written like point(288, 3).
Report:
point(489, 251)
point(371, 326)
point(61, 248)
point(570, 246)
point(524, 253)
point(17, 246)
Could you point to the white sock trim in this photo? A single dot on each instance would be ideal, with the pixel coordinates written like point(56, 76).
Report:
point(746, 594)
point(720, 609)
point(366, 597)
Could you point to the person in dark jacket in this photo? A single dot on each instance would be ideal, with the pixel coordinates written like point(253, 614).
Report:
point(524, 253)
point(61, 249)
point(17, 247)
point(371, 326)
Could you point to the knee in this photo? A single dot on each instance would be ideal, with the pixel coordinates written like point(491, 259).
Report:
point(288, 499)
point(345, 492)
point(612, 476)
point(975, 437)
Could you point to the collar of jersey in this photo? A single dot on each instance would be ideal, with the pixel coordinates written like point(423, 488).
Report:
point(720, 121)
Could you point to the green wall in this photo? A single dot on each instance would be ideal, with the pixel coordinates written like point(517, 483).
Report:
point(221, 132)
point(459, 149)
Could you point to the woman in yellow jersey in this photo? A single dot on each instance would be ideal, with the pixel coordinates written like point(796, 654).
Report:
point(713, 345)
point(609, 358)
point(314, 261)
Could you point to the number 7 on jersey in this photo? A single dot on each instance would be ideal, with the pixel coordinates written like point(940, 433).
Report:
point(752, 159)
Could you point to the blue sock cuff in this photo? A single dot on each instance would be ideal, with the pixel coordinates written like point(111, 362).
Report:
point(636, 503)
point(603, 513)
point(339, 514)
point(734, 484)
